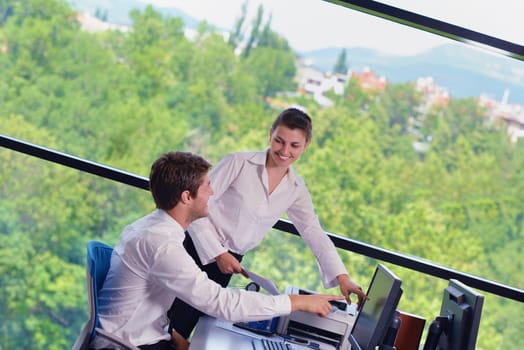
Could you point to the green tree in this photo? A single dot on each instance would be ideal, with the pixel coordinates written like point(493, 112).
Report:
point(341, 66)
point(273, 70)
point(237, 35)
point(157, 51)
point(101, 14)
point(255, 31)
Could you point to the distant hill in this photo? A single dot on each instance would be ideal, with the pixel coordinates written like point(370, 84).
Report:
point(463, 71)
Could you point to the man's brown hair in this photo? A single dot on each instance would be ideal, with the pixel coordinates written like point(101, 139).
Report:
point(173, 173)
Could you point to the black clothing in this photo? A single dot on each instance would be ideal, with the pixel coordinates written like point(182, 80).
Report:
point(188, 316)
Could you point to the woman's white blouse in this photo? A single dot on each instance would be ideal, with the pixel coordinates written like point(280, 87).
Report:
point(241, 213)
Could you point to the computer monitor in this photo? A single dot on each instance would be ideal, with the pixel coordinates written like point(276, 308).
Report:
point(456, 328)
point(378, 312)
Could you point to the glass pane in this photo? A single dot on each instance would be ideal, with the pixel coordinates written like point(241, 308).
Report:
point(417, 143)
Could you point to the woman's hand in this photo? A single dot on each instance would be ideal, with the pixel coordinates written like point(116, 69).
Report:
point(227, 263)
point(347, 287)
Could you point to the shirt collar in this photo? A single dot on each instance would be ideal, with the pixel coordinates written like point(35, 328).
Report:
point(177, 228)
point(259, 159)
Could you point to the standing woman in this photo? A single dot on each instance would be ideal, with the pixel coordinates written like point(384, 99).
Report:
point(252, 191)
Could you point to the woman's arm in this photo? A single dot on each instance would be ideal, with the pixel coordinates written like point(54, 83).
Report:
point(202, 231)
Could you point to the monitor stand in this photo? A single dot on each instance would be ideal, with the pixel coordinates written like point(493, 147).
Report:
point(391, 334)
point(439, 325)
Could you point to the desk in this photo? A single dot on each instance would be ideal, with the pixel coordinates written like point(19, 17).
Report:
point(213, 334)
point(209, 336)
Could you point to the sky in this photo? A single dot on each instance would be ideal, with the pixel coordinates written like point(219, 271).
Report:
point(313, 24)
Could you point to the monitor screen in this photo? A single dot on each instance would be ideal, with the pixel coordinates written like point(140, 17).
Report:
point(461, 307)
point(376, 313)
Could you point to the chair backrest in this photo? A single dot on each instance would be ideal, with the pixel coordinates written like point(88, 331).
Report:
point(98, 262)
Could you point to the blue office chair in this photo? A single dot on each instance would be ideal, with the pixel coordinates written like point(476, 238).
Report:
point(98, 261)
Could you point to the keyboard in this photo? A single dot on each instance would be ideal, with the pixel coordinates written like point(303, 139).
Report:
point(268, 344)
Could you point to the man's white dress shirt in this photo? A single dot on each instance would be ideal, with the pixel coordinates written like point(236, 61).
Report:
point(241, 213)
point(149, 268)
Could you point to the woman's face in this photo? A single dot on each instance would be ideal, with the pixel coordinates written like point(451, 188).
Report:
point(286, 145)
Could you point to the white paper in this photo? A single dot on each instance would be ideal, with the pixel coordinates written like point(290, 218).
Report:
point(265, 283)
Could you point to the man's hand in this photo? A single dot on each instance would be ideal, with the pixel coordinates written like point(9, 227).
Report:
point(227, 263)
point(347, 287)
point(313, 303)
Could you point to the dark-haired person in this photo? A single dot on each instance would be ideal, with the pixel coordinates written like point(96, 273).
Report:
point(252, 191)
point(150, 266)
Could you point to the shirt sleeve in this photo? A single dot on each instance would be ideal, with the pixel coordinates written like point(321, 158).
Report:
point(175, 270)
point(303, 216)
point(202, 231)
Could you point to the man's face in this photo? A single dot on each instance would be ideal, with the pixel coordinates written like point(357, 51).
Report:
point(199, 205)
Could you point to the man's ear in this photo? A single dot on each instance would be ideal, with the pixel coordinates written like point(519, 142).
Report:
point(185, 197)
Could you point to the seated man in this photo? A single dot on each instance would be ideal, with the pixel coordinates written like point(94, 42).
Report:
point(150, 266)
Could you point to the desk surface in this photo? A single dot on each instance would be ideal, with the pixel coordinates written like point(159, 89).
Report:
point(213, 334)
point(209, 336)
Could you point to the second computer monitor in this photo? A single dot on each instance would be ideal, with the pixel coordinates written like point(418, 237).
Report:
point(459, 317)
point(376, 314)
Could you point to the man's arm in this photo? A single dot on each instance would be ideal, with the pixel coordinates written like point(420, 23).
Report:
point(313, 303)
